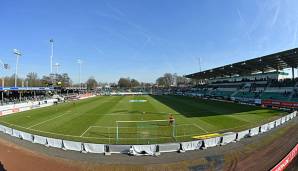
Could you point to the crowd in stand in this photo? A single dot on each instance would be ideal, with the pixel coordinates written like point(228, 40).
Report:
point(295, 95)
point(284, 83)
point(240, 81)
point(274, 83)
point(15, 97)
point(251, 90)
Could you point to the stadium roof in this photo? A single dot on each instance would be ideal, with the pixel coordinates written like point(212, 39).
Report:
point(276, 61)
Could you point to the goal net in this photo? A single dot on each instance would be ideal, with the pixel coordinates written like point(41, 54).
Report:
point(145, 130)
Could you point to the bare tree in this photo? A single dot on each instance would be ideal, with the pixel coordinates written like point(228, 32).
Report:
point(33, 79)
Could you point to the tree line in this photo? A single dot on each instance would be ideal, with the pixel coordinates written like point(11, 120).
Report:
point(63, 80)
point(33, 80)
point(168, 80)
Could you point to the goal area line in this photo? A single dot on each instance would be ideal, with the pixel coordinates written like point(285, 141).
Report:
point(142, 121)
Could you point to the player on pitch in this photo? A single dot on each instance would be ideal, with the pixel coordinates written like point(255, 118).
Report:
point(171, 119)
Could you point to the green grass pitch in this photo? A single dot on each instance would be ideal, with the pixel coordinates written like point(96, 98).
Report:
point(94, 119)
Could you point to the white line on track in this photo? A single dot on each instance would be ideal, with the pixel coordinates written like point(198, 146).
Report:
point(46, 121)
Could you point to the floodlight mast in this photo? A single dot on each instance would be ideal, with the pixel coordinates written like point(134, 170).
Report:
point(51, 57)
point(57, 65)
point(4, 67)
point(199, 62)
point(79, 61)
point(18, 54)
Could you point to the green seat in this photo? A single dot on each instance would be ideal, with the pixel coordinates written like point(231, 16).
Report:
point(274, 95)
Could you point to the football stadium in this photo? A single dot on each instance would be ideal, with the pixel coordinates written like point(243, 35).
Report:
point(162, 113)
point(155, 120)
point(126, 120)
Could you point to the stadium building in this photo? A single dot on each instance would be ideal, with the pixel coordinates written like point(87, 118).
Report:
point(243, 102)
point(260, 80)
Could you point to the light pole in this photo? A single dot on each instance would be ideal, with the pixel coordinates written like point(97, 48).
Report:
point(79, 61)
point(5, 67)
point(18, 54)
point(57, 65)
point(199, 62)
point(51, 57)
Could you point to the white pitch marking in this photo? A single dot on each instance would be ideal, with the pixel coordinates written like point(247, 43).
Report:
point(46, 120)
point(73, 136)
point(200, 128)
point(235, 116)
point(85, 131)
point(65, 135)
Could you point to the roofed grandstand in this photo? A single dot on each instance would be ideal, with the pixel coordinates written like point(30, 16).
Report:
point(260, 78)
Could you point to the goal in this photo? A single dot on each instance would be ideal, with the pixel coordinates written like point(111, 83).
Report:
point(145, 130)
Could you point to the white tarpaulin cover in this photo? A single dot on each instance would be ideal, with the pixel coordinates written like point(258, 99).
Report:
point(211, 142)
point(288, 117)
point(8, 131)
point(16, 133)
point(40, 140)
point(292, 115)
point(169, 147)
point(138, 150)
point(191, 145)
point(72, 145)
point(53, 142)
point(124, 149)
point(254, 131)
point(227, 138)
point(94, 148)
point(26, 136)
point(264, 128)
point(277, 122)
point(283, 119)
point(271, 125)
point(2, 128)
point(242, 134)
point(295, 113)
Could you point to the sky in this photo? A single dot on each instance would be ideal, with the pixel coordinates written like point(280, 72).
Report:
point(142, 39)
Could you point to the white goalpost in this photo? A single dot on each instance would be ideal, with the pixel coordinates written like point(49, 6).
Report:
point(145, 129)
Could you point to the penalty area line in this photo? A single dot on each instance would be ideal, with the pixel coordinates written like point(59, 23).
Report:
point(200, 128)
point(85, 131)
point(52, 133)
point(46, 121)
